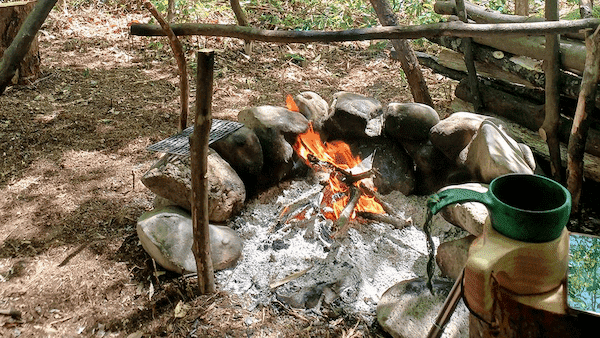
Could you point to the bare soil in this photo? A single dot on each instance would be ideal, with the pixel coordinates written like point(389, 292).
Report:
point(73, 151)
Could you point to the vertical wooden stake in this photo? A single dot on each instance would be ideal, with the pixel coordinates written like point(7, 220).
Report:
point(585, 107)
point(472, 79)
point(549, 129)
point(199, 161)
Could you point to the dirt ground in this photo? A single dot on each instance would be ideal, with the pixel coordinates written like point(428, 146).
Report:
point(73, 151)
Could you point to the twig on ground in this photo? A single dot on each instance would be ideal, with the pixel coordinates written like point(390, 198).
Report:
point(11, 312)
point(398, 223)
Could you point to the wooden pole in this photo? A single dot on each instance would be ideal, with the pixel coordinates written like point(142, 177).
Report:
point(454, 28)
point(184, 86)
point(406, 55)
point(581, 124)
point(549, 130)
point(469, 61)
point(242, 20)
point(522, 7)
point(199, 159)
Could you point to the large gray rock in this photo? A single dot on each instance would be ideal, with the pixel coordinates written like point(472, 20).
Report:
point(451, 257)
point(312, 106)
point(434, 169)
point(393, 166)
point(452, 134)
point(409, 121)
point(242, 150)
point(167, 235)
point(350, 114)
point(277, 129)
point(493, 153)
point(171, 178)
point(470, 216)
point(408, 309)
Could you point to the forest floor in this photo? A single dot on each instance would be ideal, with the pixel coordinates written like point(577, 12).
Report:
point(73, 147)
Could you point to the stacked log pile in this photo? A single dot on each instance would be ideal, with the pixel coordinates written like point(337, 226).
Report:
point(512, 78)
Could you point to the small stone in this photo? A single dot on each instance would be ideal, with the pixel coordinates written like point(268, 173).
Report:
point(243, 151)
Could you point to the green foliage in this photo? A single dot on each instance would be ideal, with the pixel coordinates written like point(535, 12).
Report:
point(584, 263)
point(421, 12)
point(574, 14)
point(312, 14)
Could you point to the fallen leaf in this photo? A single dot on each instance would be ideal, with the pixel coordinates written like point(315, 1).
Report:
point(180, 310)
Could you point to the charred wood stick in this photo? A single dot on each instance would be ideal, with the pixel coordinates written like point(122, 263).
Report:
point(343, 221)
point(350, 178)
point(580, 128)
point(455, 28)
point(397, 222)
point(385, 205)
point(184, 86)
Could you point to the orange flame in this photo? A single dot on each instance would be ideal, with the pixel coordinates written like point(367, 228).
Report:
point(291, 104)
point(338, 154)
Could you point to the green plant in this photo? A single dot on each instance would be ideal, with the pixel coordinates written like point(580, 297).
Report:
point(421, 12)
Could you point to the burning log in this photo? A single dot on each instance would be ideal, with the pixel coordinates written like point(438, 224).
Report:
point(342, 223)
point(385, 205)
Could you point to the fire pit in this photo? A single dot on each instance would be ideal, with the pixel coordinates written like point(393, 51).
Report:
point(333, 239)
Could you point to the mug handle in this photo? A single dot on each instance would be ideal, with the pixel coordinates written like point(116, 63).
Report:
point(440, 200)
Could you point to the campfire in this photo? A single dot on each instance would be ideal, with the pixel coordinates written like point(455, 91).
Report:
point(342, 196)
point(349, 191)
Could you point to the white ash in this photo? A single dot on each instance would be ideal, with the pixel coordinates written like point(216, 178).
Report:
point(369, 260)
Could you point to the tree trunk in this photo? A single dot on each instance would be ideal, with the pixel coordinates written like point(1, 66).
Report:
point(569, 83)
point(408, 60)
point(469, 60)
point(549, 129)
point(199, 164)
point(12, 15)
point(585, 105)
point(522, 7)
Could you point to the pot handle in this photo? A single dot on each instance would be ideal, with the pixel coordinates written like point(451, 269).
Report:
point(438, 201)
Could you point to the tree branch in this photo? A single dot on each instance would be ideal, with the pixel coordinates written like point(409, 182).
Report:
point(184, 86)
point(454, 28)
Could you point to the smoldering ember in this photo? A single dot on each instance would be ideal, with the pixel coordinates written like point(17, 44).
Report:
point(343, 232)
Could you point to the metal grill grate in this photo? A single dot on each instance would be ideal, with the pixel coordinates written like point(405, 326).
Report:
point(180, 144)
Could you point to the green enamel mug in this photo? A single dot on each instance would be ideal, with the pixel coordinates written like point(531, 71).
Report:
point(524, 207)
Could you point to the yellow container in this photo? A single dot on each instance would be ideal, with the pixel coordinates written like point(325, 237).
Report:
point(522, 268)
